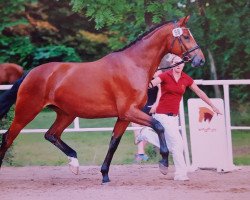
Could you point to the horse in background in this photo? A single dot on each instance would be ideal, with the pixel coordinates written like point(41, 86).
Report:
point(10, 73)
point(113, 86)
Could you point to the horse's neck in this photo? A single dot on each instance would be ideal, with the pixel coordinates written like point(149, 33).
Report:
point(149, 51)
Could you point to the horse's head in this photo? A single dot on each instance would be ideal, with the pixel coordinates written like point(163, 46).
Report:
point(184, 45)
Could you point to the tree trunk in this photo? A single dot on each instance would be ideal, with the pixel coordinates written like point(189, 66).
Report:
point(206, 29)
point(213, 73)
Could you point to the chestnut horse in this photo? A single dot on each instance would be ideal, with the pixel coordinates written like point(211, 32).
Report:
point(9, 73)
point(114, 86)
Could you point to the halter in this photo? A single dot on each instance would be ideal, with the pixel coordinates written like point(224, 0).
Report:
point(177, 33)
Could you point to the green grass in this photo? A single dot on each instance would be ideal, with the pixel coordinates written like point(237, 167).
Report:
point(33, 149)
point(241, 147)
point(91, 147)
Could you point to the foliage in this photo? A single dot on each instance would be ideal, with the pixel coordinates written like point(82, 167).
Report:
point(70, 27)
point(54, 53)
point(240, 113)
point(223, 28)
point(220, 26)
point(10, 11)
point(15, 49)
point(21, 50)
point(125, 19)
point(32, 33)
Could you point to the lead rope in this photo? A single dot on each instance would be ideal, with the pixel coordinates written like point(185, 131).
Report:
point(184, 60)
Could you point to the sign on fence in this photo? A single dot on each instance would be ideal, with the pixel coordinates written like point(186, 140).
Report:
point(208, 135)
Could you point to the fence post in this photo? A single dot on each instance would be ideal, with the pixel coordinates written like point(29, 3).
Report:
point(228, 123)
point(184, 133)
point(76, 124)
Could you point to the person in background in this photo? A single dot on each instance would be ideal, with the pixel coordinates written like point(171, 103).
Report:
point(150, 108)
point(173, 85)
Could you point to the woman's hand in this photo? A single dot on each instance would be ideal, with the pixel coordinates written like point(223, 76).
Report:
point(153, 108)
point(154, 82)
point(216, 110)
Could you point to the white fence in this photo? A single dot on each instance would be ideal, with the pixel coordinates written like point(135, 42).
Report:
point(224, 83)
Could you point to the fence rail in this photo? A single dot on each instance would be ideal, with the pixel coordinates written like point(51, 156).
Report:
point(224, 83)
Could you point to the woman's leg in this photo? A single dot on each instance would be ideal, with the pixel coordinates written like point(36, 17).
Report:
point(140, 155)
point(149, 135)
point(175, 144)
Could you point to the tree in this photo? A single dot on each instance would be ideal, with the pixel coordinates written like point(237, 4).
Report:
point(126, 19)
point(31, 29)
point(32, 34)
point(225, 36)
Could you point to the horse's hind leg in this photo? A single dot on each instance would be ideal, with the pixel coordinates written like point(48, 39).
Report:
point(139, 117)
point(118, 131)
point(54, 136)
point(23, 115)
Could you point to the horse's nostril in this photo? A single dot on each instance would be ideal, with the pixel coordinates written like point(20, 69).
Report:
point(197, 62)
point(202, 62)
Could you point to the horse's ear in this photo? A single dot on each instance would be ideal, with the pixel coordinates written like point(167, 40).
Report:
point(184, 20)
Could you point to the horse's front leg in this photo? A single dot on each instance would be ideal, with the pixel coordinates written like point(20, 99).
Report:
point(139, 117)
point(118, 131)
point(159, 129)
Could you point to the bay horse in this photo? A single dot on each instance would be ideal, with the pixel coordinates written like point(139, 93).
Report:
point(10, 73)
point(113, 86)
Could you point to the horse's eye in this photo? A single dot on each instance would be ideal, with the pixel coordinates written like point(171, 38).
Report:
point(186, 37)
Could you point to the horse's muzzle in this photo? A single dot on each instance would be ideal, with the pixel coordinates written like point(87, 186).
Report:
point(197, 61)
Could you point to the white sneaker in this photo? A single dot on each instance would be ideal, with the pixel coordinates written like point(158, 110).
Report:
point(181, 178)
point(139, 138)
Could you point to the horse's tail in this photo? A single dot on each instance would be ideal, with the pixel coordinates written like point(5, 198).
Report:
point(8, 98)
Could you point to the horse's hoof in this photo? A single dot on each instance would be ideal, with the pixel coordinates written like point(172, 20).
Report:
point(105, 180)
point(105, 183)
point(163, 169)
point(74, 165)
point(74, 170)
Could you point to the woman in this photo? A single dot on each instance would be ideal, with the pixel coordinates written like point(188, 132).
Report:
point(173, 85)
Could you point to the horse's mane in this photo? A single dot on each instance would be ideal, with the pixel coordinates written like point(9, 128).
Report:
point(142, 35)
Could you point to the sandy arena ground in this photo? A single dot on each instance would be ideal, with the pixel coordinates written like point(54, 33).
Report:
point(128, 182)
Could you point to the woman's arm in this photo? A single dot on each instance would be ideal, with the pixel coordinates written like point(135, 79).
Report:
point(156, 81)
point(204, 97)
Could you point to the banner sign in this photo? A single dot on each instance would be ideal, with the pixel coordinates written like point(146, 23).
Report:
point(208, 135)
